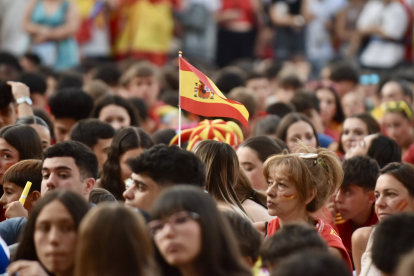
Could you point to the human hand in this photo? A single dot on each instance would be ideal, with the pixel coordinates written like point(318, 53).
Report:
point(26, 268)
point(16, 210)
point(19, 89)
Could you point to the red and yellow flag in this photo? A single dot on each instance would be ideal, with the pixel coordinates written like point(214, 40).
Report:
point(199, 95)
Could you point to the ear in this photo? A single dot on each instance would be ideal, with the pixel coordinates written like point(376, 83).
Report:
point(311, 196)
point(371, 197)
point(89, 184)
point(35, 197)
point(249, 261)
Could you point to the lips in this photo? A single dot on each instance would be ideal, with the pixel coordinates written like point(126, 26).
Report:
point(270, 204)
point(382, 215)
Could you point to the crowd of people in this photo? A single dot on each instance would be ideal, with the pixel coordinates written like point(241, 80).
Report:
point(320, 183)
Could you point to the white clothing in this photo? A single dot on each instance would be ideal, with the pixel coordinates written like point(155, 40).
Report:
point(367, 267)
point(393, 19)
point(13, 38)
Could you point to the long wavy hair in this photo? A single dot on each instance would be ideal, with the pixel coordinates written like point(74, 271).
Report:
point(126, 139)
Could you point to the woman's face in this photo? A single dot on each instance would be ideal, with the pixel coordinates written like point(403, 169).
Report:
point(392, 197)
point(179, 240)
point(398, 127)
point(353, 130)
point(8, 157)
point(253, 167)
point(44, 134)
point(360, 147)
point(303, 131)
point(115, 115)
point(123, 162)
point(327, 105)
point(283, 197)
point(55, 237)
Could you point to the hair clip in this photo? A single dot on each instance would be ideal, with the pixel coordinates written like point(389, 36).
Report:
point(312, 157)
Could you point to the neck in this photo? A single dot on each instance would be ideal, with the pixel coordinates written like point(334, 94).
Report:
point(298, 215)
point(188, 270)
point(361, 218)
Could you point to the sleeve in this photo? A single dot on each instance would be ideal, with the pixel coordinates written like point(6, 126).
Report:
point(395, 21)
point(11, 229)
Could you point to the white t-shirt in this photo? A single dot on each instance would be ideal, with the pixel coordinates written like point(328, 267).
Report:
point(13, 39)
point(393, 20)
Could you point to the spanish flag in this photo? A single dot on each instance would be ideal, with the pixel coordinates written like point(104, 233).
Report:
point(199, 95)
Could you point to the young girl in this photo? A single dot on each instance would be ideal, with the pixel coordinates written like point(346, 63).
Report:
point(128, 143)
point(193, 237)
point(300, 184)
point(49, 239)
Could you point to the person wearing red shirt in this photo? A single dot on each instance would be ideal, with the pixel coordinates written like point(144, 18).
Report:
point(355, 198)
point(300, 184)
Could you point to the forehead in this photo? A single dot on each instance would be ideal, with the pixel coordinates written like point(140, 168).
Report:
point(387, 181)
point(246, 154)
point(59, 162)
point(53, 211)
point(142, 178)
point(393, 116)
point(352, 123)
point(391, 88)
point(299, 127)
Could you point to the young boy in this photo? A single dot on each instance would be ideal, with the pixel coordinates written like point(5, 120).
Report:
point(355, 199)
point(261, 87)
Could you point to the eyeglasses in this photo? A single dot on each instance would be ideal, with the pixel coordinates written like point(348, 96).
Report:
point(128, 183)
point(399, 106)
point(176, 221)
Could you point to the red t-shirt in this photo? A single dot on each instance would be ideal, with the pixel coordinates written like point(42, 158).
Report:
point(345, 230)
point(327, 233)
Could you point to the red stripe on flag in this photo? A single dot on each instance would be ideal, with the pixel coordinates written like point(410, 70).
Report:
point(209, 109)
point(185, 66)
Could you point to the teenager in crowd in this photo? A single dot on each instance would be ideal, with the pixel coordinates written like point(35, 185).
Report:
point(331, 111)
point(387, 253)
point(377, 146)
point(99, 195)
point(18, 143)
point(116, 111)
point(128, 143)
point(196, 226)
point(97, 135)
point(354, 129)
point(297, 126)
point(398, 124)
point(67, 107)
point(52, 230)
point(222, 169)
point(128, 249)
point(300, 184)
point(394, 193)
point(158, 169)
point(40, 126)
point(293, 238)
point(355, 198)
point(252, 153)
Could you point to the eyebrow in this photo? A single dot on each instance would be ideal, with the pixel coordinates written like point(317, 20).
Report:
point(6, 150)
point(247, 163)
point(140, 182)
point(57, 168)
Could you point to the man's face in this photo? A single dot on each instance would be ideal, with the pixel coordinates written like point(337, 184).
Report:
point(143, 193)
point(101, 151)
point(62, 129)
point(62, 173)
point(353, 200)
point(261, 87)
point(146, 88)
point(8, 115)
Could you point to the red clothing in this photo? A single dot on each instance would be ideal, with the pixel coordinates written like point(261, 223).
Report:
point(409, 155)
point(327, 233)
point(245, 8)
point(345, 230)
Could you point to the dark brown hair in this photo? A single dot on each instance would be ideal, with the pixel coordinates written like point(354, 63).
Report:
point(263, 146)
point(289, 120)
point(244, 190)
point(126, 139)
point(113, 240)
point(402, 172)
point(23, 171)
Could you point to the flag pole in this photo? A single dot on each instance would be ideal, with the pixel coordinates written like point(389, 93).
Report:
point(180, 54)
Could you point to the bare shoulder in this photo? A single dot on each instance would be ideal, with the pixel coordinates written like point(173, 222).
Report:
point(256, 211)
point(360, 237)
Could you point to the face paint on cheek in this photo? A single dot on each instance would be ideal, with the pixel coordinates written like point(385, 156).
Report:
point(401, 206)
point(288, 196)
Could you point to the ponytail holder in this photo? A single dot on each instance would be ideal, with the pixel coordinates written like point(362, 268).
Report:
point(323, 164)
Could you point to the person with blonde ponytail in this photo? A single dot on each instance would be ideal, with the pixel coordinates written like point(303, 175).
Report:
point(299, 186)
point(222, 172)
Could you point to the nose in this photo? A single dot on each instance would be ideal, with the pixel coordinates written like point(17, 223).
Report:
point(51, 182)
point(339, 197)
point(54, 235)
point(128, 194)
point(270, 192)
point(168, 230)
point(3, 200)
point(116, 125)
point(66, 137)
point(380, 203)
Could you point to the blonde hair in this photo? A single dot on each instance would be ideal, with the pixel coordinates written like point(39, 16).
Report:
point(113, 240)
point(222, 171)
point(323, 173)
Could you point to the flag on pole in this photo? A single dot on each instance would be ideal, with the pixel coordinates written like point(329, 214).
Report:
point(199, 95)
